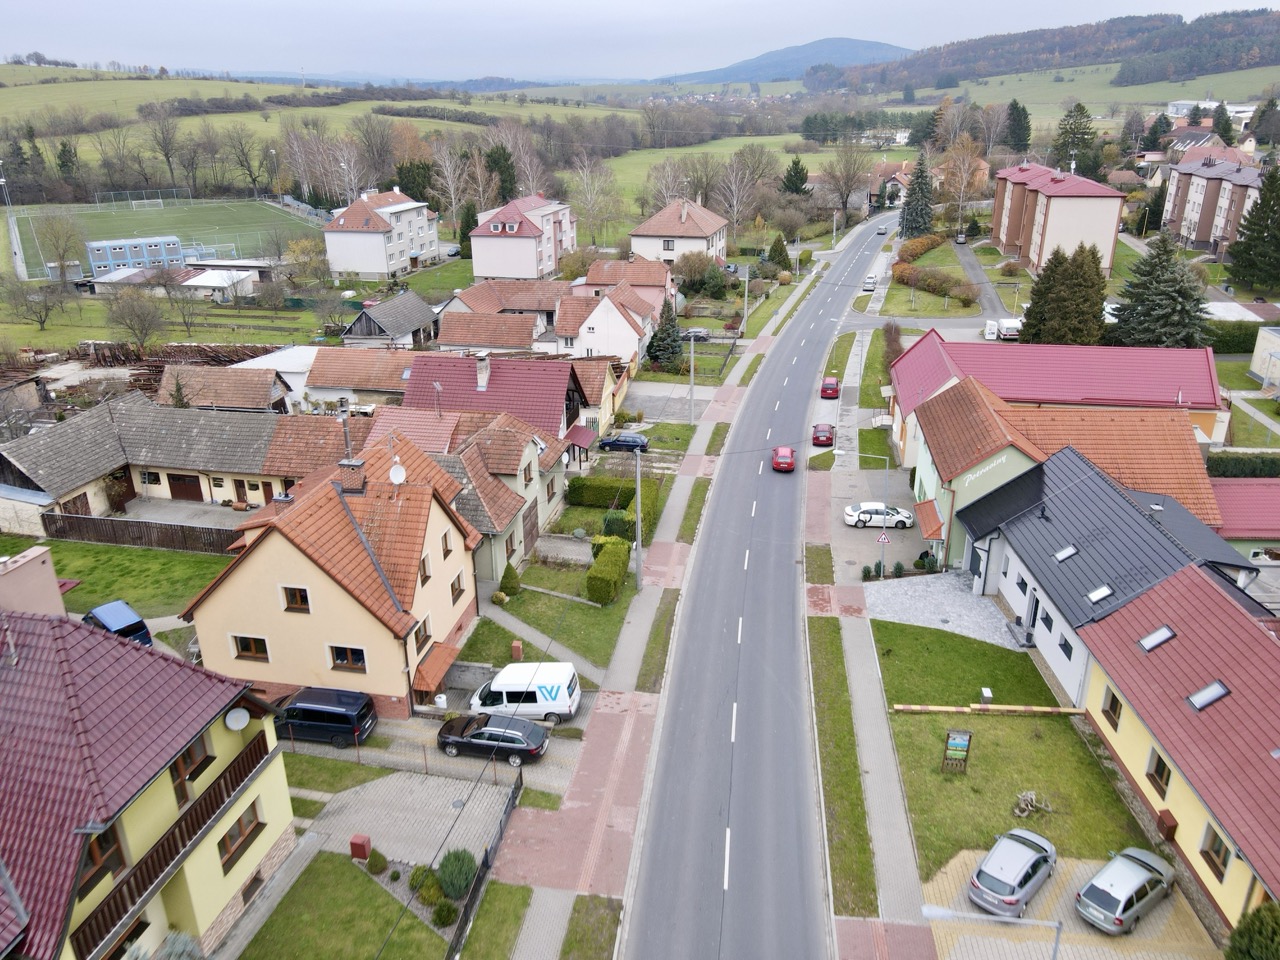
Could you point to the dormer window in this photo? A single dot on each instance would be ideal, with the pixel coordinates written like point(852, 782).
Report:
point(496, 228)
point(511, 228)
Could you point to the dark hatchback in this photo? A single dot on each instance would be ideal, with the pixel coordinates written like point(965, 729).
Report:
point(511, 738)
point(626, 442)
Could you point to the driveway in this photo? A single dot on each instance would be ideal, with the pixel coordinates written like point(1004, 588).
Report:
point(992, 306)
point(1172, 932)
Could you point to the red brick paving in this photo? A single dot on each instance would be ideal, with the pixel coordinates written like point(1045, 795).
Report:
point(697, 465)
point(817, 507)
point(868, 939)
point(586, 844)
point(664, 563)
point(828, 601)
point(725, 405)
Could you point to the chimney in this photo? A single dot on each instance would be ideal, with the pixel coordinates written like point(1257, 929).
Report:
point(482, 371)
point(684, 210)
point(351, 475)
point(541, 195)
point(282, 502)
point(346, 431)
point(364, 196)
point(395, 189)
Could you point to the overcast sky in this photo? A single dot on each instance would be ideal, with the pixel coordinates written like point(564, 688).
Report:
point(462, 39)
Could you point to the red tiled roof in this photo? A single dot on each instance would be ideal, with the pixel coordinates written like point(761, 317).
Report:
point(1250, 508)
point(426, 429)
point(499, 502)
point(535, 390)
point(360, 369)
point(592, 374)
point(502, 331)
point(921, 371)
point(231, 388)
point(631, 305)
point(963, 426)
point(681, 218)
point(639, 272)
point(573, 313)
point(430, 673)
point(391, 198)
point(300, 445)
point(580, 436)
point(1224, 750)
point(360, 217)
point(72, 707)
point(514, 296)
point(929, 520)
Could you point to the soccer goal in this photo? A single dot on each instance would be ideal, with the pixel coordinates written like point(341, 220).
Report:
point(147, 204)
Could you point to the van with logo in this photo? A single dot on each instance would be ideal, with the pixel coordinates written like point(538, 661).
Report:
point(535, 691)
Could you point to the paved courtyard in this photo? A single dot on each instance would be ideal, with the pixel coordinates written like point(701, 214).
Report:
point(942, 600)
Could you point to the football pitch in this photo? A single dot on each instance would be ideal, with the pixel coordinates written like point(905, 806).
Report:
point(236, 229)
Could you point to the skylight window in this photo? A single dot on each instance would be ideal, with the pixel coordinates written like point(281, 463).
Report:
point(1067, 551)
point(1156, 637)
point(1275, 754)
point(1206, 696)
point(1099, 594)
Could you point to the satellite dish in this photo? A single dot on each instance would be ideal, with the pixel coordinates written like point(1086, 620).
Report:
point(564, 457)
point(237, 718)
point(397, 472)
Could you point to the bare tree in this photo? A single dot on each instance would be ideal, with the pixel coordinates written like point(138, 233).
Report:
point(993, 121)
point(190, 160)
point(517, 138)
point(184, 303)
point(703, 172)
point(449, 183)
point(60, 238)
point(593, 188)
point(735, 191)
point(162, 132)
point(115, 146)
point(137, 314)
point(375, 135)
point(308, 257)
point(761, 163)
point(33, 303)
point(482, 183)
point(963, 172)
point(666, 181)
point(246, 152)
point(847, 172)
point(953, 120)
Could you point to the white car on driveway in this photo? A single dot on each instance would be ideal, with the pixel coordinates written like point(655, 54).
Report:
point(876, 514)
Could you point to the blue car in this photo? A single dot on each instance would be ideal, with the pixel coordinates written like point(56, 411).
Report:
point(121, 619)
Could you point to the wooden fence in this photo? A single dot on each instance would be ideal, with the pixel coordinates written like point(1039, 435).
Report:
point(138, 533)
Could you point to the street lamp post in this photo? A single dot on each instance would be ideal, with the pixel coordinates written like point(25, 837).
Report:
point(932, 911)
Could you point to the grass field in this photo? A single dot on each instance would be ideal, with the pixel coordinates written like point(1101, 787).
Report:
point(247, 224)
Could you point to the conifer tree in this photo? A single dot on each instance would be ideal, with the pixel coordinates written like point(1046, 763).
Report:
point(1045, 300)
point(1017, 127)
point(1075, 135)
point(1076, 314)
point(778, 253)
point(664, 346)
point(916, 218)
point(1164, 302)
point(1255, 256)
point(1223, 126)
point(796, 178)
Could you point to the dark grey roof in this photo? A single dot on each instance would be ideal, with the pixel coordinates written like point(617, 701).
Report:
point(985, 515)
point(1117, 545)
point(157, 436)
point(65, 456)
point(403, 314)
point(1185, 527)
point(468, 502)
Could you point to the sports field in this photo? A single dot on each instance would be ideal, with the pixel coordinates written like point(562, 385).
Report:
point(246, 225)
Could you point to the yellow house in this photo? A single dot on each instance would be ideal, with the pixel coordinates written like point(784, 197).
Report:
point(1182, 688)
point(364, 580)
point(143, 795)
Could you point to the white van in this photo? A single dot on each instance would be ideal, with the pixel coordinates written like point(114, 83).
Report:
point(535, 691)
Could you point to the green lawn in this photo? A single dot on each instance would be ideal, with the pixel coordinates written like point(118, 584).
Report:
point(156, 583)
point(952, 812)
point(491, 643)
point(497, 921)
point(307, 772)
point(593, 928)
point(306, 809)
point(436, 284)
point(653, 665)
point(1245, 431)
point(1122, 262)
point(337, 911)
point(589, 631)
point(720, 432)
point(838, 356)
point(873, 373)
point(1013, 291)
point(539, 799)
point(693, 510)
point(669, 436)
point(753, 366)
point(818, 565)
point(709, 367)
point(176, 640)
point(853, 878)
point(823, 461)
point(1234, 375)
point(875, 442)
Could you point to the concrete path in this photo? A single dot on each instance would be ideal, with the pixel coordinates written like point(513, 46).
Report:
point(1252, 398)
point(992, 305)
point(545, 923)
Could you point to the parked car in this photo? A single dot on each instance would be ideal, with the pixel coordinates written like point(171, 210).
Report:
point(881, 230)
point(453, 251)
point(830, 389)
point(960, 238)
point(1012, 872)
point(626, 442)
point(508, 738)
point(824, 435)
point(121, 619)
point(1125, 890)
point(784, 459)
point(696, 334)
point(731, 268)
point(872, 513)
point(325, 715)
point(869, 285)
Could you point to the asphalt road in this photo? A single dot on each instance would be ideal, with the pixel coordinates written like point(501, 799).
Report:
point(733, 861)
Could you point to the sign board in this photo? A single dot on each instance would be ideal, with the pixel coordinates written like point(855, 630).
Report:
point(955, 754)
point(883, 538)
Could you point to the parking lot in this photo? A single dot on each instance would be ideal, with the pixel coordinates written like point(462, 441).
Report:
point(1171, 932)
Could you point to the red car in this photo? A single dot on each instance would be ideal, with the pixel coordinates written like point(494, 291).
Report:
point(824, 435)
point(830, 388)
point(784, 459)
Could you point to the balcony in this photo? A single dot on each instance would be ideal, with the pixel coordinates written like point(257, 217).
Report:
point(135, 887)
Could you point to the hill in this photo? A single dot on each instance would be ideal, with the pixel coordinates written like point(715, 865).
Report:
point(790, 63)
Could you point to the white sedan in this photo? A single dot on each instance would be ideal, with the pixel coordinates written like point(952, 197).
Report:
point(876, 514)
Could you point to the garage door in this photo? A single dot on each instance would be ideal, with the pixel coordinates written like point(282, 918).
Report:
point(185, 486)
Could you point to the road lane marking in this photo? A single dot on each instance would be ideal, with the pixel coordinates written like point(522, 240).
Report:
point(746, 559)
point(761, 470)
point(802, 343)
point(753, 513)
point(784, 380)
point(739, 631)
point(777, 404)
point(811, 326)
point(726, 858)
point(793, 361)
point(769, 434)
point(733, 725)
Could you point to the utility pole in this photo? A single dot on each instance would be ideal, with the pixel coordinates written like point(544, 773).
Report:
point(639, 526)
point(692, 347)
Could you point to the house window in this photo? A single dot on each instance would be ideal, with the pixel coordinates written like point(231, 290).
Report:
point(568, 341)
point(528, 473)
point(1064, 645)
point(446, 544)
point(1112, 708)
point(1022, 584)
point(1215, 852)
point(422, 633)
point(668, 244)
point(296, 600)
point(1158, 773)
point(511, 546)
point(347, 658)
point(1046, 620)
point(254, 485)
point(590, 352)
point(591, 329)
point(251, 648)
point(551, 489)
point(511, 228)
point(424, 571)
point(103, 856)
point(183, 772)
point(242, 833)
point(496, 228)
point(150, 478)
point(456, 588)
point(218, 482)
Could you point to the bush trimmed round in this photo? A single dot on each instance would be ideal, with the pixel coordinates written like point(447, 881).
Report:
point(444, 914)
point(430, 894)
point(418, 876)
point(457, 870)
point(377, 862)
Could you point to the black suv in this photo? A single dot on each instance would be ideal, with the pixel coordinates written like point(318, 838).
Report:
point(625, 442)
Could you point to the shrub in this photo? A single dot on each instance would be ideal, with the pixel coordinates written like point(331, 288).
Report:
point(605, 577)
point(622, 415)
point(806, 255)
point(377, 862)
point(898, 570)
point(878, 570)
point(917, 247)
point(499, 598)
point(768, 270)
point(911, 478)
point(510, 583)
point(784, 278)
point(1233, 336)
point(866, 573)
point(418, 876)
point(607, 493)
point(430, 893)
point(918, 563)
point(967, 294)
point(394, 875)
point(1243, 464)
point(931, 564)
point(444, 914)
point(1010, 268)
point(599, 543)
point(457, 870)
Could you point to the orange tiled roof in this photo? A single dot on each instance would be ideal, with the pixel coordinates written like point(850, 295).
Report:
point(361, 369)
point(963, 426)
point(360, 217)
point(300, 445)
point(231, 388)
point(681, 218)
point(510, 296)
point(639, 272)
point(592, 374)
point(624, 296)
point(508, 331)
point(430, 431)
point(499, 502)
point(573, 313)
point(928, 519)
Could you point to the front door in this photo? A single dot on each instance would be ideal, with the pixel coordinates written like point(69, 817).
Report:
point(530, 528)
point(268, 491)
point(242, 493)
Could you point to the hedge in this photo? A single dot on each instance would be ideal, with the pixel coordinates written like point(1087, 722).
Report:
point(917, 247)
point(598, 543)
point(1234, 336)
point(607, 493)
point(1226, 464)
point(605, 577)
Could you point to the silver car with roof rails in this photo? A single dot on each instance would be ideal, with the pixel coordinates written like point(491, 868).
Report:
point(1012, 872)
point(1125, 890)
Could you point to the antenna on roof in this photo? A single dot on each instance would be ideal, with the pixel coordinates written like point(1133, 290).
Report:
point(397, 472)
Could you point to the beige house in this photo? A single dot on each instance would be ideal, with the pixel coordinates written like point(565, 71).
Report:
point(353, 584)
point(1038, 209)
point(523, 240)
point(682, 226)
